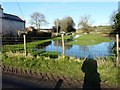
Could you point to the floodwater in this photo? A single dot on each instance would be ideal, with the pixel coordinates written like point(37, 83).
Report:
point(91, 51)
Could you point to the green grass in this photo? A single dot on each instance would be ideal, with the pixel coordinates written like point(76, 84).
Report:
point(69, 66)
point(108, 71)
point(65, 37)
point(50, 54)
point(90, 39)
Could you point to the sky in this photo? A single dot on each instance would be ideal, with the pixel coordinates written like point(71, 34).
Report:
point(100, 12)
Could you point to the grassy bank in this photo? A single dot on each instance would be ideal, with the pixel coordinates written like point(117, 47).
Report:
point(90, 39)
point(69, 66)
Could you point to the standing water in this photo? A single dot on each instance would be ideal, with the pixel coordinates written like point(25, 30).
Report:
point(92, 51)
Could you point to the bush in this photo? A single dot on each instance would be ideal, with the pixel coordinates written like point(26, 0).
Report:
point(35, 35)
point(11, 39)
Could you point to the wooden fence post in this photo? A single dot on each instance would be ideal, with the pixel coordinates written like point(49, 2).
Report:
point(24, 36)
point(63, 45)
point(117, 50)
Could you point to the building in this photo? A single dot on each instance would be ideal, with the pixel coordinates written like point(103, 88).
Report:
point(119, 6)
point(10, 24)
point(30, 28)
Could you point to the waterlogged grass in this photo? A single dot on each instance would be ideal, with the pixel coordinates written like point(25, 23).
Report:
point(44, 53)
point(20, 47)
point(69, 66)
point(85, 39)
point(30, 45)
point(65, 37)
point(90, 39)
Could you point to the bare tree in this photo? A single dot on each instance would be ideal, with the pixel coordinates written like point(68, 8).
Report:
point(85, 23)
point(37, 19)
point(57, 22)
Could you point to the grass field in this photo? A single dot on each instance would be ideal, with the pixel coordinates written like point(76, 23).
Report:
point(90, 39)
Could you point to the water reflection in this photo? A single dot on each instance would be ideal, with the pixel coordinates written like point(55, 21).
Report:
point(58, 43)
point(43, 45)
point(99, 50)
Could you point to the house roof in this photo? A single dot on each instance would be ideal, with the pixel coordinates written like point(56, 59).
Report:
point(12, 17)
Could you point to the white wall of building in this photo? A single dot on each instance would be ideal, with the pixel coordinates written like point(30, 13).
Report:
point(0, 25)
point(1, 14)
point(11, 26)
point(119, 6)
point(1, 11)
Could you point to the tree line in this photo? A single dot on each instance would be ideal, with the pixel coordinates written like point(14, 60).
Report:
point(65, 24)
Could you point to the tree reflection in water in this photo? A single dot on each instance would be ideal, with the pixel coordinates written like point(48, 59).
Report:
point(43, 45)
point(58, 43)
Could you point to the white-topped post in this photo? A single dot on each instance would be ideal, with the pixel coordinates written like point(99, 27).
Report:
point(24, 36)
point(117, 49)
point(63, 44)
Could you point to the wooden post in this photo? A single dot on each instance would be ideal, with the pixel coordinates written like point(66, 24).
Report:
point(57, 28)
point(57, 47)
point(117, 50)
point(24, 36)
point(63, 45)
